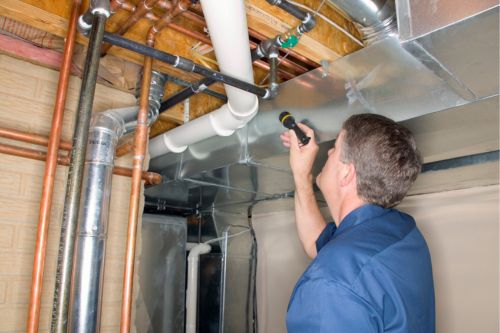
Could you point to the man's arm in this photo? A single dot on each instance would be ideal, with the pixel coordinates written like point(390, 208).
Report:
point(310, 222)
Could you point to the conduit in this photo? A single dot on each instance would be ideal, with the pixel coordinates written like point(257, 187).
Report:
point(49, 175)
point(229, 33)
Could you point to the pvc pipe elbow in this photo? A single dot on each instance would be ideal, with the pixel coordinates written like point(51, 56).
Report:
point(198, 250)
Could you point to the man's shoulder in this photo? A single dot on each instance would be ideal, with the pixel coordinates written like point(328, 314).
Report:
point(344, 257)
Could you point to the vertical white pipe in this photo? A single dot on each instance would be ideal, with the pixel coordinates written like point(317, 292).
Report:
point(227, 24)
point(192, 285)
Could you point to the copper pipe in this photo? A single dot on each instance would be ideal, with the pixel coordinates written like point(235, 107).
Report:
point(125, 148)
point(150, 178)
point(115, 5)
point(145, 7)
point(31, 138)
point(140, 147)
point(50, 172)
point(30, 153)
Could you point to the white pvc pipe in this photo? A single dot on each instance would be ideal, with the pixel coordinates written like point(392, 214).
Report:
point(227, 24)
point(192, 285)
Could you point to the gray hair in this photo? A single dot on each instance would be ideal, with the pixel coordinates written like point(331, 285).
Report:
point(384, 155)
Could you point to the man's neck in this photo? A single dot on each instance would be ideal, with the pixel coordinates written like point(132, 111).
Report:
point(348, 206)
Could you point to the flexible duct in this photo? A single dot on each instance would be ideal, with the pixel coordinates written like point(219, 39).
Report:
point(106, 129)
point(226, 21)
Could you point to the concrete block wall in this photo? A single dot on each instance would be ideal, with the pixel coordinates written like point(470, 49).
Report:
point(27, 95)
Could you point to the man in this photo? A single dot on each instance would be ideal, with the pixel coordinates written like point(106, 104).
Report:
point(371, 270)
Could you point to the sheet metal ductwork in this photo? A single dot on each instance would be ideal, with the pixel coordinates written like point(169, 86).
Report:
point(375, 19)
point(106, 129)
point(433, 66)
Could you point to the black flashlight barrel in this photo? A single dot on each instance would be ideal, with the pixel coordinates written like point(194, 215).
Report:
point(289, 122)
point(303, 138)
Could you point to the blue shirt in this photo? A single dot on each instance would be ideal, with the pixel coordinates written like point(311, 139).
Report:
point(372, 274)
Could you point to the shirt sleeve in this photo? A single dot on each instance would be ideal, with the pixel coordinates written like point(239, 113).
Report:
point(322, 306)
point(325, 235)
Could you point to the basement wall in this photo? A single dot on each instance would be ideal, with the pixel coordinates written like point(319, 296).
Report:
point(27, 95)
point(461, 228)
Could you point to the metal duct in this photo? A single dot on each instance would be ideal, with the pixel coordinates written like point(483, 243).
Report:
point(106, 129)
point(375, 19)
point(434, 72)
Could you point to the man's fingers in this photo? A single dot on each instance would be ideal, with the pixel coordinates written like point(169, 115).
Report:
point(294, 141)
point(307, 130)
point(285, 139)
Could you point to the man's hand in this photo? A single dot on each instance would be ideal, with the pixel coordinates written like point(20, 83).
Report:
point(301, 158)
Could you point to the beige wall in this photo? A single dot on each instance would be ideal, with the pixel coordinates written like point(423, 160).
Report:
point(461, 228)
point(26, 103)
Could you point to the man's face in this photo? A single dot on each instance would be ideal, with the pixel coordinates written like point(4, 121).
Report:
point(329, 178)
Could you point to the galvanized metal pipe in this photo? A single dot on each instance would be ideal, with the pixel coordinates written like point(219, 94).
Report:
point(90, 245)
point(72, 199)
point(106, 129)
point(49, 174)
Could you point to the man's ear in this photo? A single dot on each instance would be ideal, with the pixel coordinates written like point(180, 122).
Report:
point(348, 174)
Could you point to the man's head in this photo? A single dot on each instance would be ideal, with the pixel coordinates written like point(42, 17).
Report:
point(384, 155)
point(373, 156)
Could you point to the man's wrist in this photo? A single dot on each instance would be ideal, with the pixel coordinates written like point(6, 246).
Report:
point(303, 182)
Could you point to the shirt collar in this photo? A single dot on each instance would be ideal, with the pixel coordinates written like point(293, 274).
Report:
point(360, 215)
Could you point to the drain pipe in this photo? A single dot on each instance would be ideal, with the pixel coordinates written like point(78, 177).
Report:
point(106, 129)
point(374, 18)
point(192, 285)
point(229, 34)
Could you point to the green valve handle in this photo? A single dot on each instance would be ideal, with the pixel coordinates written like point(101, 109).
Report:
point(290, 42)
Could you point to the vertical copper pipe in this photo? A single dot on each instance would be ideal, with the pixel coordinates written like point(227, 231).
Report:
point(140, 143)
point(140, 147)
point(49, 176)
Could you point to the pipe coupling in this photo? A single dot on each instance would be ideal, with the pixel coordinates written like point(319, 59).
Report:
point(100, 7)
point(308, 23)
